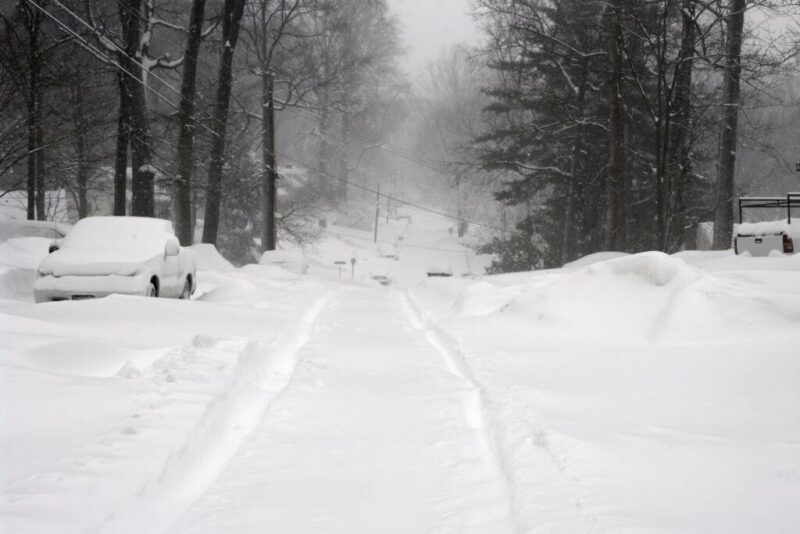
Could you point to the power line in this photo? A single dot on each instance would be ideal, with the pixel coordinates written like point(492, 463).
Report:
point(387, 146)
point(399, 244)
point(97, 53)
point(104, 58)
point(122, 50)
point(390, 197)
point(392, 148)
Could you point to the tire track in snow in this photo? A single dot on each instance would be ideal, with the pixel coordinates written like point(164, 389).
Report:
point(262, 373)
point(530, 449)
point(477, 413)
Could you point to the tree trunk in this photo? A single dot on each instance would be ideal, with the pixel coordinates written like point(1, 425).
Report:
point(31, 160)
point(343, 160)
point(81, 149)
point(183, 178)
point(678, 162)
point(726, 166)
point(34, 102)
point(576, 184)
point(41, 209)
point(616, 216)
point(270, 171)
point(323, 154)
point(123, 136)
point(142, 183)
point(232, 16)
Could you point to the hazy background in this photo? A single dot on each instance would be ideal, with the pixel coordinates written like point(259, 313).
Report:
point(431, 25)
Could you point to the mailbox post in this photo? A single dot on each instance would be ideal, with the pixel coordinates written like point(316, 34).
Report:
point(339, 264)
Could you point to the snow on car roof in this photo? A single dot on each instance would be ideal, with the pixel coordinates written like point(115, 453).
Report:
point(131, 233)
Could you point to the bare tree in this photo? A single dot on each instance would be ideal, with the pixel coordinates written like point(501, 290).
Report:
point(130, 53)
point(268, 28)
point(726, 167)
point(183, 179)
point(616, 182)
point(23, 62)
point(231, 21)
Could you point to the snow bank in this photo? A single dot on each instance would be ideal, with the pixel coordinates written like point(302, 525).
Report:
point(24, 252)
point(624, 296)
point(597, 257)
point(19, 259)
point(726, 260)
point(13, 228)
point(83, 357)
point(209, 258)
point(17, 284)
point(229, 291)
point(293, 259)
point(644, 297)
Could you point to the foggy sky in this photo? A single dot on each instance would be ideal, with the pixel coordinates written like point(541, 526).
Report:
point(428, 26)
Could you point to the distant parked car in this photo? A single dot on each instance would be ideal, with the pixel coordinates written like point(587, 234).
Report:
point(439, 270)
point(105, 255)
point(388, 250)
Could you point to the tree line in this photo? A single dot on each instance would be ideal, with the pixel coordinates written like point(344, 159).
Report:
point(176, 103)
point(574, 126)
point(615, 124)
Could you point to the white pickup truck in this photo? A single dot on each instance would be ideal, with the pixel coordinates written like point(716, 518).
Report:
point(770, 237)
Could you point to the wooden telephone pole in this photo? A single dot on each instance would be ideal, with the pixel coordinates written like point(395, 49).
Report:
point(377, 213)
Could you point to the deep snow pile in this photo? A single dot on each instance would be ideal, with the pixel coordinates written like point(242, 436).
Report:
point(639, 393)
point(23, 246)
point(19, 259)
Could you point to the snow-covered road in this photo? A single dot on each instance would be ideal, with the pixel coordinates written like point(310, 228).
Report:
point(372, 431)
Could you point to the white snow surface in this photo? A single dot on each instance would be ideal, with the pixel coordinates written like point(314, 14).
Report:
point(769, 228)
point(641, 393)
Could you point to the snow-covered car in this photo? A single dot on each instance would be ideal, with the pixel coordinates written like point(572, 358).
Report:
point(768, 237)
point(388, 250)
point(128, 255)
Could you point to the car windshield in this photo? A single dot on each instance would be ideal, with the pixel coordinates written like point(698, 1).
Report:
point(119, 233)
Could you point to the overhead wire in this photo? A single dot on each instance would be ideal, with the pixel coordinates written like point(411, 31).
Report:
point(99, 55)
point(387, 146)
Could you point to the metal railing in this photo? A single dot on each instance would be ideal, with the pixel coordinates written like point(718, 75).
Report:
point(791, 200)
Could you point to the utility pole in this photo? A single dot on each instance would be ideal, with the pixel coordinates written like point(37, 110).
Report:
point(270, 179)
point(377, 213)
point(394, 195)
point(388, 207)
